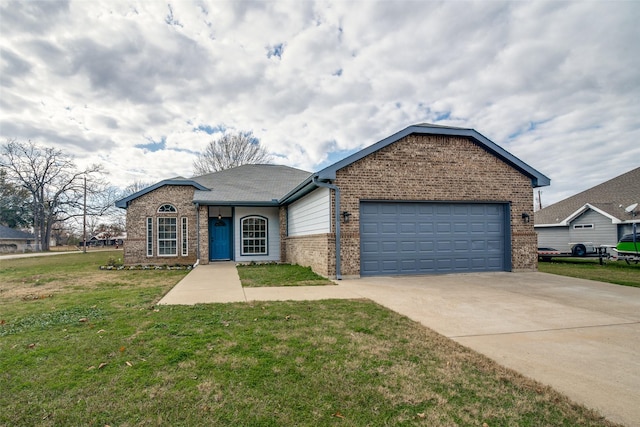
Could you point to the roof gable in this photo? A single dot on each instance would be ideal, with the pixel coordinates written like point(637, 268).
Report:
point(124, 203)
point(609, 199)
point(537, 178)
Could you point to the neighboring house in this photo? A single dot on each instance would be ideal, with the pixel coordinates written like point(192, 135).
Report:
point(596, 215)
point(12, 240)
point(428, 199)
point(106, 239)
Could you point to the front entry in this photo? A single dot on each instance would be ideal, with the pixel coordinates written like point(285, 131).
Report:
point(220, 239)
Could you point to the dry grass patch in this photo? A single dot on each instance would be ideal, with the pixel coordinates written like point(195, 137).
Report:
point(346, 362)
point(44, 277)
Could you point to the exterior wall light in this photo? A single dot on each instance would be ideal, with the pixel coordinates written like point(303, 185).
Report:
point(525, 217)
point(345, 216)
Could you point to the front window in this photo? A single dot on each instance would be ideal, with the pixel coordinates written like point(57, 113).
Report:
point(254, 235)
point(149, 236)
point(185, 235)
point(167, 237)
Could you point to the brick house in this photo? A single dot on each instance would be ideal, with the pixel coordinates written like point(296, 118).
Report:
point(428, 199)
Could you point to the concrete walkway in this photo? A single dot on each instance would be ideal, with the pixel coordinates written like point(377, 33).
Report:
point(579, 336)
point(219, 282)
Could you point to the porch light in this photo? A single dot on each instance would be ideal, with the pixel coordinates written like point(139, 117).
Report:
point(525, 217)
point(219, 215)
point(345, 216)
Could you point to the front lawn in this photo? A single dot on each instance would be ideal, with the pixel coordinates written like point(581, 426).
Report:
point(618, 272)
point(100, 352)
point(257, 275)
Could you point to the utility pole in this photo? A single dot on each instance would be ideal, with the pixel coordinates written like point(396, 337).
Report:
point(539, 199)
point(84, 218)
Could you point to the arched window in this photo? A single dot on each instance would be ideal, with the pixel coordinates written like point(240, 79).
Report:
point(254, 235)
point(167, 208)
point(167, 231)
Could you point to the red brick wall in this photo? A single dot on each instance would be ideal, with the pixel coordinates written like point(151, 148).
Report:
point(316, 251)
point(435, 168)
point(135, 248)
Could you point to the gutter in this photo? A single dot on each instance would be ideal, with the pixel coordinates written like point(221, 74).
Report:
point(337, 207)
point(197, 234)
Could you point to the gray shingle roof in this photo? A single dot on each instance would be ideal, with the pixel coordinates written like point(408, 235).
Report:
point(7, 233)
point(610, 197)
point(248, 184)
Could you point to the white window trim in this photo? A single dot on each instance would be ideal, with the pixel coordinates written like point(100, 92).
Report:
point(167, 208)
point(583, 226)
point(149, 240)
point(266, 236)
point(184, 228)
point(175, 254)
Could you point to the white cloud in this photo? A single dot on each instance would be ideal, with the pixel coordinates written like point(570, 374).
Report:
point(555, 83)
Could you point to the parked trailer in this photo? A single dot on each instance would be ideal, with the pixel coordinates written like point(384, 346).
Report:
point(576, 249)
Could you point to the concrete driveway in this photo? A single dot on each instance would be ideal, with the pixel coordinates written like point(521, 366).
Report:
point(578, 336)
point(581, 337)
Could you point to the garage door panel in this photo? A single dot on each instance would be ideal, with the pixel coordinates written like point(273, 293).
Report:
point(389, 265)
point(443, 209)
point(408, 246)
point(388, 209)
point(390, 247)
point(370, 228)
point(426, 246)
point(443, 227)
point(408, 227)
point(370, 245)
point(461, 245)
point(426, 237)
point(495, 262)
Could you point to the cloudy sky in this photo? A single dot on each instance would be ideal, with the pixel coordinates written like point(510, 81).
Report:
point(142, 86)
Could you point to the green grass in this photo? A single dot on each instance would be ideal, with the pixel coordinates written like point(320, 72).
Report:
point(105, 354)
point(617, 272)
point(257, 275)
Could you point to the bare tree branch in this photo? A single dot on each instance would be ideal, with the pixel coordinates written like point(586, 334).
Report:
point(231, 150)
point(55, 184)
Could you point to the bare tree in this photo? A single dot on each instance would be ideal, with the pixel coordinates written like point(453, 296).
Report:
point(55, 185)
point(229, 151)
point(134, 187)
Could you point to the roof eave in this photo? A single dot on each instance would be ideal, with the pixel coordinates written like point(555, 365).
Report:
point(302, 189)
point(253, 203)
point(537, 179)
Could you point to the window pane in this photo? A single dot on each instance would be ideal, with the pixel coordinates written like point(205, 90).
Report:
point(149, 237)
point(185, 235)
point(254, 236)
point(167, 236)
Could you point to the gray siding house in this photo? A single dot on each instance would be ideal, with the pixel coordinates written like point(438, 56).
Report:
point(596, 215)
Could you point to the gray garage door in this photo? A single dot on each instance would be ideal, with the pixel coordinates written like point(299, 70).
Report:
point(426, 238)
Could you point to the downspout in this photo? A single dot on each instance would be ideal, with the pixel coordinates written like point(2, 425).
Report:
point(197, 235)
point(337, 197)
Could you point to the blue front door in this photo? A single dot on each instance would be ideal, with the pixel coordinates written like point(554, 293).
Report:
point(219, 239)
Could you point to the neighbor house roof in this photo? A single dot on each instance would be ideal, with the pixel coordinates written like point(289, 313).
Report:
point(609, 199)
point(7, 233)
point(537, 178)
point(248, 185)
